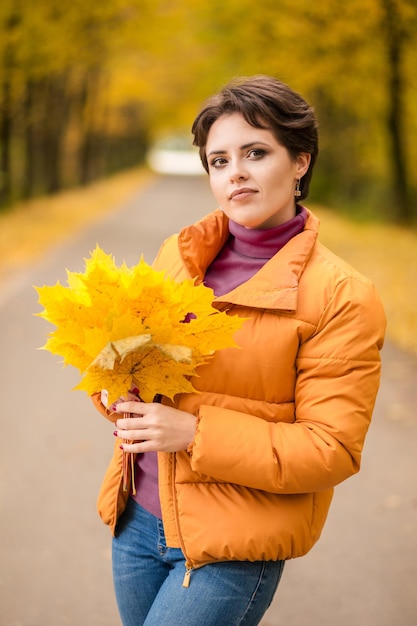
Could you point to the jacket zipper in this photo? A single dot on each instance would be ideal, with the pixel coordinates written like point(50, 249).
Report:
point(187, 577)
point(188, 566)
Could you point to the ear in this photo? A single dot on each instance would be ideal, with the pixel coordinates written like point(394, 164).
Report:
point(303, 162)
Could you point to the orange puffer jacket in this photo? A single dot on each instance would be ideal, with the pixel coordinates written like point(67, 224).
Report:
point(282, 420)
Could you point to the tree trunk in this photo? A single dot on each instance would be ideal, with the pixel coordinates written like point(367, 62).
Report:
point(5, 141)
point(53, 131)
point(395, 38)
point(29, 141)
point(87, 166)
point(6, 104)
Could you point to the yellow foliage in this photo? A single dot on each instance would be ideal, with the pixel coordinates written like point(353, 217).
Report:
point(127, 327)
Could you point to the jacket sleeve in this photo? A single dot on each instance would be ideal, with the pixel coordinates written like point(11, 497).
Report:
point(110, 415)
point(338, 374)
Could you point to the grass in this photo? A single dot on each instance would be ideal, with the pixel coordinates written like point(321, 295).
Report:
point(387, 254)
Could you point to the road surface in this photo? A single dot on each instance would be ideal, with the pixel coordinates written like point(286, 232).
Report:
point(55, 565)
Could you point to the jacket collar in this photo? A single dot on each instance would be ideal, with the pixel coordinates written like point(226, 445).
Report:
point(275, 286)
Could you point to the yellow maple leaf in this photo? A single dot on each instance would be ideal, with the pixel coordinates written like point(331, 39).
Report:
point(124, 327)
point(138, 361)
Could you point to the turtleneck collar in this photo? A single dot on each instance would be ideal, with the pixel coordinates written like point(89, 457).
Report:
point(247, 250)
point(263, 244)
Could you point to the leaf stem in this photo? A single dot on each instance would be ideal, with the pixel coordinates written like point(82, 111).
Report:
point(126, 458)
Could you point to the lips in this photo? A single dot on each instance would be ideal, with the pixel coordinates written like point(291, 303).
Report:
point(242, 193)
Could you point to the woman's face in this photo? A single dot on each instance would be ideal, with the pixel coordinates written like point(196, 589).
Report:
point(252, 176)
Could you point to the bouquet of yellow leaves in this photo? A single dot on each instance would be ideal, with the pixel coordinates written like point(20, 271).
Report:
point(127, 327)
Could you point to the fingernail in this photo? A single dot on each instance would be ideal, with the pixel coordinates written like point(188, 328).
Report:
point(121, 447)
point(115, 433)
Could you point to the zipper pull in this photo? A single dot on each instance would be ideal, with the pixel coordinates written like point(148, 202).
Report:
point(187, 577)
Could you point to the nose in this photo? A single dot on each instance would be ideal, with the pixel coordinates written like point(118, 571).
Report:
point(238, 171)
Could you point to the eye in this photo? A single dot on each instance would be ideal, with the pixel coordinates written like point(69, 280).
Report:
point(256, 153)
point(218, 162)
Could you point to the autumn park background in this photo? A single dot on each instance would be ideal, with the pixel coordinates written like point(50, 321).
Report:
point(86, 88)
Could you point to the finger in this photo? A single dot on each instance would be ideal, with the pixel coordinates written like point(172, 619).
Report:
point(134, 406)
point(136, 447)
point(140, 446)
point(131, 435)
point(131, 423)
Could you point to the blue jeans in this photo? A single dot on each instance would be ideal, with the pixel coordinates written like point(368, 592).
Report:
point(148, 579)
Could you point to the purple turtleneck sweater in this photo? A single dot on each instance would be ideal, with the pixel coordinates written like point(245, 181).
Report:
point(244, 253)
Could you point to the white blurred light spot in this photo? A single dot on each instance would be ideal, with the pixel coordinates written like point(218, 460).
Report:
point(175, 162)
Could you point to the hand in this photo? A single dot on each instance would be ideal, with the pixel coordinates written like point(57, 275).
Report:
point(154, 427)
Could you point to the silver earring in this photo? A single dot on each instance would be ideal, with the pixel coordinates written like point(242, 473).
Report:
point(297, 192)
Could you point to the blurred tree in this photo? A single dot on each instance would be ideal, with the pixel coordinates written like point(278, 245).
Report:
point(352, 60)
point(85, 85)
point(396, 28)
point(54, 60)
point(10, 20)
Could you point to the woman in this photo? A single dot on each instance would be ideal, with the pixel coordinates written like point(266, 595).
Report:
point(246, 467)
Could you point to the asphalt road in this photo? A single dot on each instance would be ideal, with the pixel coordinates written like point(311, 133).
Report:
point(55, 565)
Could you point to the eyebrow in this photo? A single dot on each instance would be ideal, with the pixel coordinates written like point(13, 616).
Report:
point(244, 147)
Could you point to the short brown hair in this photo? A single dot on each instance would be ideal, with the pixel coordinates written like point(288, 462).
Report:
point(264, 102)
